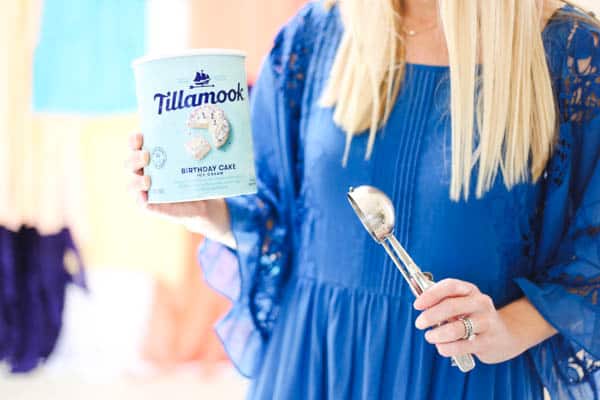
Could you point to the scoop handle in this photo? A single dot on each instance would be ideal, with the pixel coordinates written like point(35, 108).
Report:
point(418, 281)
point(464, 362)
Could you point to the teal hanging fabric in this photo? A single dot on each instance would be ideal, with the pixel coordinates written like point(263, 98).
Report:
point(82, 63)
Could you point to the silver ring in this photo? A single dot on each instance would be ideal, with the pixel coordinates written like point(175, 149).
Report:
point(469, 330)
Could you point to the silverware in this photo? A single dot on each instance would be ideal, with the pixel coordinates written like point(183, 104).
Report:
point(376, 212)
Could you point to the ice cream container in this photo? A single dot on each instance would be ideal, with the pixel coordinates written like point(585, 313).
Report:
point(195, 118)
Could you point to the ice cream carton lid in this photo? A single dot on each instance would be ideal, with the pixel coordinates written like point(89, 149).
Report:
point(188, 53)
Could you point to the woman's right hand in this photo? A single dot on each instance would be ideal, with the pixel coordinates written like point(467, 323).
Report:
point(208, 217)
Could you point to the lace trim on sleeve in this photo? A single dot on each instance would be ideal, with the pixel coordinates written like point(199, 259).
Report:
point(580, 99)
point(266, 288)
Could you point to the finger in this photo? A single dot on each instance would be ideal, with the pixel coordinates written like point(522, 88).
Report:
point(447, 310)
point(140, 183)
point(161, 208)
point(441, 290)
point(142, 199)
point(455, 330)
point(459, 348)
point(137, 160)
point(447, 333)
point(136, 141)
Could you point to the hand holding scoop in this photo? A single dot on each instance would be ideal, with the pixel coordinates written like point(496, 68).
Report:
point(376, 212)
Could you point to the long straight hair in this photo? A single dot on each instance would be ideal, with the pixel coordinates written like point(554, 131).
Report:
point(503, 110)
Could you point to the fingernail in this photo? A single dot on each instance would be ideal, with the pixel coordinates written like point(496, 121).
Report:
point(145, 157)
point(417, 304)
point(419, 323)
point(428, 337)
point(146, 182)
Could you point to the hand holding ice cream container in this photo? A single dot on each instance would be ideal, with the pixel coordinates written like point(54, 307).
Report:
point(195, 117)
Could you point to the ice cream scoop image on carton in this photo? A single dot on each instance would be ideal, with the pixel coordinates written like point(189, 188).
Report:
point(195, 117)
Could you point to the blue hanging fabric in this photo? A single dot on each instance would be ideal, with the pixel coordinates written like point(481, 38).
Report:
point(82, 63)
point(34, 272)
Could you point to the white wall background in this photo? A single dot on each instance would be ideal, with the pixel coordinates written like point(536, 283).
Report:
point(167, 25)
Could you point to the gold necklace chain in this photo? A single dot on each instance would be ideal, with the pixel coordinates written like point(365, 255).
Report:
point(412, 32)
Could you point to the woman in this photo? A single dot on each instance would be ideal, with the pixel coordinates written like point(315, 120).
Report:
point(503, 208)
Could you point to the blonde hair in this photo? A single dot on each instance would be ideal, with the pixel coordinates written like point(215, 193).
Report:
point(508, 102)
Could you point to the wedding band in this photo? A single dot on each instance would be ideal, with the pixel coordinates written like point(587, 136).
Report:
point(469, 331)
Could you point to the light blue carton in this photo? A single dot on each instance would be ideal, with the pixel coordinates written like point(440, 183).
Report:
point(195, 118)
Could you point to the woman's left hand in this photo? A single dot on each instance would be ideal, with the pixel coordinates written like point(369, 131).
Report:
point(494, 341)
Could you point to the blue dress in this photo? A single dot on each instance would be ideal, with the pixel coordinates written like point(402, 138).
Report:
point(320, 312)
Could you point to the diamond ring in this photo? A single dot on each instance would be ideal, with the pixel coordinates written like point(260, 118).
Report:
point(469, 330)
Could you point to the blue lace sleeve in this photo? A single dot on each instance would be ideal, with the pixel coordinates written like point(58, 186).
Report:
point(566, 289)
point(254, 275)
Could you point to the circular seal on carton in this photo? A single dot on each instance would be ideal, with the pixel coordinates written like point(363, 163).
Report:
point(158, 157)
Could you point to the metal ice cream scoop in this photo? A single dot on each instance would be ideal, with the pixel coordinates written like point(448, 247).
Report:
point(376, 212)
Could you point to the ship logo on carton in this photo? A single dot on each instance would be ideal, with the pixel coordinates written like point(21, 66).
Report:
point(201, 80)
